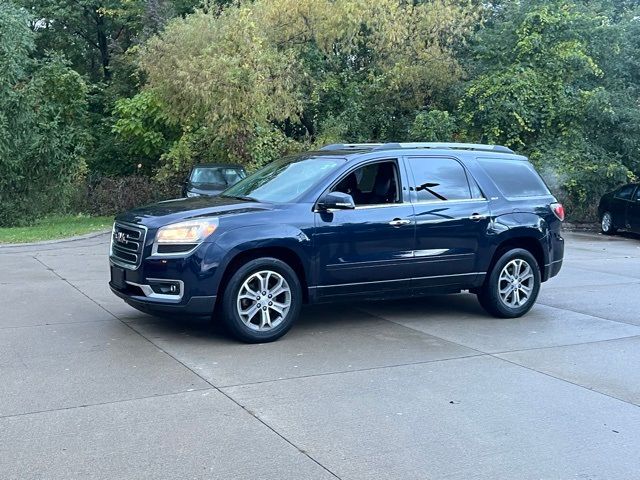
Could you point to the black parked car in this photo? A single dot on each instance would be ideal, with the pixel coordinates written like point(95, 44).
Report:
point(211, 179)
point(620, 209)
point(349, 221)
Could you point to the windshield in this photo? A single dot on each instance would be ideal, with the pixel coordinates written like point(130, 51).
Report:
point(284, 180)
point(217, 175)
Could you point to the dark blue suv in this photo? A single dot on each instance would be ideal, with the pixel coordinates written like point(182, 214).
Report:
point(365, 221)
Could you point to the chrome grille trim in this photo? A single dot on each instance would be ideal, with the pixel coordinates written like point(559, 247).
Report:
point(128, 251)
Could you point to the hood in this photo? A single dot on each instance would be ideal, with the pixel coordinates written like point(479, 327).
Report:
point(171, 211)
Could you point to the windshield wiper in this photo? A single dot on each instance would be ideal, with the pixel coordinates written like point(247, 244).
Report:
point(427, 187)
point(241, 197)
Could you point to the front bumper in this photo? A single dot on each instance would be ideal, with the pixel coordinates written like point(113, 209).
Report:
point(148, 287)
point(196, 305)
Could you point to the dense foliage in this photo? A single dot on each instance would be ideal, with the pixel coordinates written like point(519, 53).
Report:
point(554, 80)
point(43, 110)
point(146, 88)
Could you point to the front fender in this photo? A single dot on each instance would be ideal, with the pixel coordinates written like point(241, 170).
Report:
point(242, 239)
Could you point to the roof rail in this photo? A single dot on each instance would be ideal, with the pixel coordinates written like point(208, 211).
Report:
point(395, 145)
point(456, 146)
point(351, 146)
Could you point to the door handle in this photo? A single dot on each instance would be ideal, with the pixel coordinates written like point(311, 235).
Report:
point(398, 222)
point(476, 217)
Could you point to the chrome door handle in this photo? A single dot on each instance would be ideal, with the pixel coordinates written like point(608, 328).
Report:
point(476, 216)
point(398, 222)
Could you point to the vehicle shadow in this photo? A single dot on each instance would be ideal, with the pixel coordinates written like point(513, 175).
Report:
point(628, 235)
point(313, 318)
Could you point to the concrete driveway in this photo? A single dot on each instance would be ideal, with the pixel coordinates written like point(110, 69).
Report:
point(421, 389)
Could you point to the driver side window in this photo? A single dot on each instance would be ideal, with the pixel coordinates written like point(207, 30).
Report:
point(373, 184)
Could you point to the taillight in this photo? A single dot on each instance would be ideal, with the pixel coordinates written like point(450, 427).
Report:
point(558, 210)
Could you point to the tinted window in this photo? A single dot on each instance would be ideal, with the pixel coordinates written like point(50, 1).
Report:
point(284, 180)
point(625, 192)
point(514, 178)
point(475, 188)
point(439, 179)
point(372, 184)
point(216, 175)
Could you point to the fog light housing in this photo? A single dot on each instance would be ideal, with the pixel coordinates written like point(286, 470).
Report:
point(165, 287)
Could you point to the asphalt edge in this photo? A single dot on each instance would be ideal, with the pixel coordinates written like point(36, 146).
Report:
point(60, 240)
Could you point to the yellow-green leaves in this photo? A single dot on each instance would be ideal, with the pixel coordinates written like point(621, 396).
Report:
point(304, 69)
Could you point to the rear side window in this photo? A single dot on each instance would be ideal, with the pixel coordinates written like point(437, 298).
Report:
point(514, 178)
point(439, 179)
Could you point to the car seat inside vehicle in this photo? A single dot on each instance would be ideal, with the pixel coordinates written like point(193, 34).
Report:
point(372, 184)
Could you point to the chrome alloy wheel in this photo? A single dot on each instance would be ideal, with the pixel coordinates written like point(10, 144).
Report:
point(516, 283)
point(606, 222)
point(264, 300)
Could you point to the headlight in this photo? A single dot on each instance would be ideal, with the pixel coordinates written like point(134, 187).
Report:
point(189, 234)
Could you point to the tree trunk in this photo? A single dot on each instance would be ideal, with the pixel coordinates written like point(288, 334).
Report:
point(103, 45)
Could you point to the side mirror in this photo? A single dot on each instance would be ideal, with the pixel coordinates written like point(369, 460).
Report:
point(336, 201)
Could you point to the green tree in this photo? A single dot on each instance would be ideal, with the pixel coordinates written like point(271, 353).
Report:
point(547, 83)
point(433, 126)
point(259, 73)
point(42, 125)
point(100, 38)
point(144, 129)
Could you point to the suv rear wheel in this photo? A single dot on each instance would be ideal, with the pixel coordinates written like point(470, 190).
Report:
point(512, 286)
point(262, 300)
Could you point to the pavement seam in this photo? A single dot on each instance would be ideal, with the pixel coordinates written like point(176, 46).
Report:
point(340, 372)
point(269, 427)
point(565, 345)
point(494, 355)
point(565, 380)
point(420, 331)
point(39, 325)
point(634, 281)
point(425, 362)
point(586, 313)
point(98, 404)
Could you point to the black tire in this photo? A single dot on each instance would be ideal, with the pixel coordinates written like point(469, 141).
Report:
point(229, 311)
point(606, 226)
point(489, 295)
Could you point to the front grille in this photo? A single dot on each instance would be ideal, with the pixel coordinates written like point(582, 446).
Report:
point(127, 244)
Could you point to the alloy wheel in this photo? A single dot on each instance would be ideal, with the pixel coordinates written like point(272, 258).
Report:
point(606, 222)
point(264, 300)
point(516, 283)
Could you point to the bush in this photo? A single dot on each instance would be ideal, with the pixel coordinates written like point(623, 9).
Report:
point(112, 195)
point(579, 174)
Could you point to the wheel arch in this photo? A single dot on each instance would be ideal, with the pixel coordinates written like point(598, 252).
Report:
point(280, 252)
point(531, 243)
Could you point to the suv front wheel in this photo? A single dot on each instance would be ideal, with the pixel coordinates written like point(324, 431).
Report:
point(512, 285)
point(261, 300)
point(606, 224)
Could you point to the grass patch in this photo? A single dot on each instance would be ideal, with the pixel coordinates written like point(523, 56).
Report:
point(55, 227)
